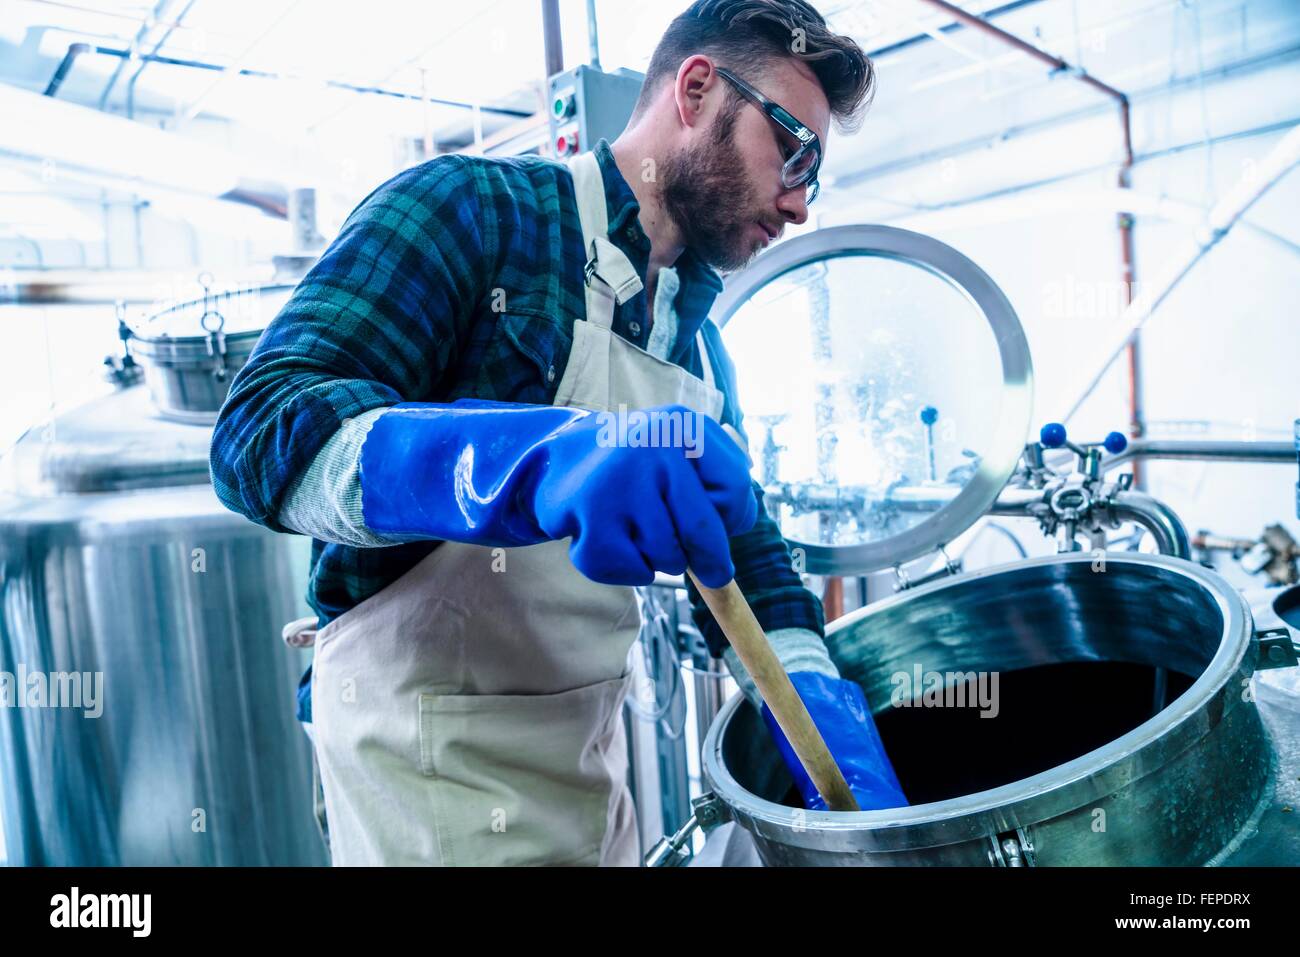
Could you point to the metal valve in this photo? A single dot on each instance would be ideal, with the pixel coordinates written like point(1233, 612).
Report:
point(1073, 506)
point(1053, 436)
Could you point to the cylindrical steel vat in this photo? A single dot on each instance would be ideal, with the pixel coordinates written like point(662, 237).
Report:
point(119, 565)
point(1064, 762)
point(191, 351)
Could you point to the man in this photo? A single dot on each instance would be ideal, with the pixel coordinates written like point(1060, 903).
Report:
point(432, 406)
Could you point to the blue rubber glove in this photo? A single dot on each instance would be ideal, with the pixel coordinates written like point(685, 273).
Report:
point(505, 474)
point(840, 712)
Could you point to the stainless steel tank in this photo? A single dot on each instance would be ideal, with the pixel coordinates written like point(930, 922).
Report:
point(1074, 768)
point(116, 559)
point(192, 350)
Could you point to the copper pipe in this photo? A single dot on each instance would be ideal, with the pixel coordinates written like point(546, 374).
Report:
point(1125, 220)
point(833, 599)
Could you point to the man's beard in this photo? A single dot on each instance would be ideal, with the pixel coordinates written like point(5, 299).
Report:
point(705, 193)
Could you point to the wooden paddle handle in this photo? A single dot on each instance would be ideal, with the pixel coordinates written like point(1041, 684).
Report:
point(742, 629)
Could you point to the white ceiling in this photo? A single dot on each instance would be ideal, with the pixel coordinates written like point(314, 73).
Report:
point(950, 87)
point(488, 52)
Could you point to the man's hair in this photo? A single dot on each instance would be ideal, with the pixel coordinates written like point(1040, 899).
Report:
point(747, 35)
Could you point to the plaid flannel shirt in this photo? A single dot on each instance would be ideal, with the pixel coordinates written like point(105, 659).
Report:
point(458, 278)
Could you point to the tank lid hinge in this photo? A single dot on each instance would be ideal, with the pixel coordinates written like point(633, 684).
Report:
point(951, 568)
point(1012, 849)
point(709, 811)
point(1277, 649)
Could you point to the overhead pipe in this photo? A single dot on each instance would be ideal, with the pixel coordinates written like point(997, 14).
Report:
point(1124, 220)
point(552, 43)
point(132, 157)
point(1202, 450)
point(1283, 56)
point(149, 22)
point(65, 66)
point(593, 40)
point(95, 287)
point(157, 48)
point(269, 75)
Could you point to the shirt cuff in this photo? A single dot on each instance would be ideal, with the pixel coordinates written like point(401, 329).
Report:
point(325, 501)
point(798, 649)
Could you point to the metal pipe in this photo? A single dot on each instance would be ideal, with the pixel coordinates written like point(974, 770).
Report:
point(268, 75)
point(593, 41)
point(1156, 517)
point(929, 35)
point(1153, 515)
point(552, 42)
point(1124, 219)
point(61, 71)
point(1228, 71)
point(149, 21)
point(157, 47)
point(707, 677)
point(1055, 62)
point(833, 598)
point(1201, 450)
point(1016, 501)
point(671, 850)
point(904, 498)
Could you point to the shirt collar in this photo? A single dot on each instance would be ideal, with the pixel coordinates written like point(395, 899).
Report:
point(700, 284)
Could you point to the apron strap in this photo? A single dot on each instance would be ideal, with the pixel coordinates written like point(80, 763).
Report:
point(609, 275)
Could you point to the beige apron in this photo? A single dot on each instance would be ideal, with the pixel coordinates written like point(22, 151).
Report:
point(471, 712)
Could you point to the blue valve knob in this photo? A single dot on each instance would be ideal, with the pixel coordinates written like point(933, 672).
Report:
point(929, 415)
point(1115, 443)
point(1052, 435)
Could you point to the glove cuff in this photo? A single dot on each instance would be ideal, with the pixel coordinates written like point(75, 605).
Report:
point(460, 472)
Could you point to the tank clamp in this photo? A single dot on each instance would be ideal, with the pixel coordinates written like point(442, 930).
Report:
point(1012, 849)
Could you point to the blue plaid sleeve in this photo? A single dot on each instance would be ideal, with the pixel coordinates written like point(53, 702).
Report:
point(374, 323)
point(764, 567)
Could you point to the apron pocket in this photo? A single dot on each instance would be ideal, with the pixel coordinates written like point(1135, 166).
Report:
point(525, 779)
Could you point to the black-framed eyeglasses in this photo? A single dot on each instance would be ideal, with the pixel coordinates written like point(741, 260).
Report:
point(801, 167)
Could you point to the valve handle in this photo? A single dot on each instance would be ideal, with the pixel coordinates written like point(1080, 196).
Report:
point(1052, 435)
point(1115, 443)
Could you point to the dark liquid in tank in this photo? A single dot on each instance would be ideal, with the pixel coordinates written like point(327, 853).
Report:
point(1046, 716)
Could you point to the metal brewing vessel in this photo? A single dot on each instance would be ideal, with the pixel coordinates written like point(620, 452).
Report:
point(1075, 768)
point(116, 558)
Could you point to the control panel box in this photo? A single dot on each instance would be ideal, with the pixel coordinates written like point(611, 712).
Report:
point(587, 105)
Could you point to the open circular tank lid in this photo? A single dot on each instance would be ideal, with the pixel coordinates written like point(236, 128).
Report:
point(887, 387)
